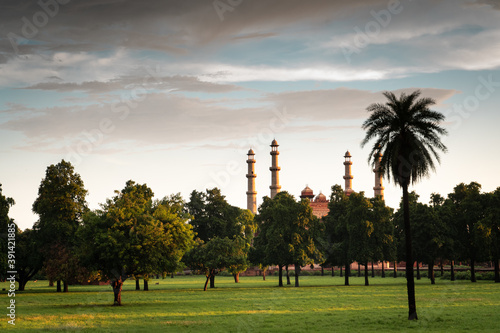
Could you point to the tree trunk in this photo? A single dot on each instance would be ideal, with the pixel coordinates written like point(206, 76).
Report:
point(383, 269)
point(366, 274)
point(472, 270)
point(333, 272)
point(347, 272)
point(452, 270)
point(341, 271)
point(236, 277)
point(322, 271)
point(442, 267)
point(65, 287)
point(212, 279)
point(497, 271)
point(418, 271)
point(264, 274)
point(395, 269)
point(287, 276)
point(359, 270)
point(373, 271)
point(146, 284)
point(22, 284)
point(280, 278)
point(117, 290)
point(172, 275)
point(297, 273)
point(51, 283)
point(137, 285)
point(410, 282)
point(206, 282)
point(58, 286)
point(431, 271)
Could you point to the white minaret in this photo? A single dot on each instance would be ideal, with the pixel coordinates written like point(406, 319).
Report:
point(378, 188)
point(275, 177)
point(348, 176)
point(251, 193)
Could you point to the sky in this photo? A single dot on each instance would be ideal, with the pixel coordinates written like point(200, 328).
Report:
point(174, 93)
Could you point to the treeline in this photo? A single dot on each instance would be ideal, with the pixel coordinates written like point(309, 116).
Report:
point(134, 236)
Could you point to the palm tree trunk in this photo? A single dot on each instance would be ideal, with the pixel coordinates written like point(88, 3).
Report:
point(410, 282)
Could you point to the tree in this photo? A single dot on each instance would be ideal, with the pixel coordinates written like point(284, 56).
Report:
point(360, 228)
point(490, 226)
point(213, 216)
point(214, 256)
point(336, 230)
point(407, 134)
point(383, 233)
point(29, 260)
point(131, 235)
point(286, 229)
point(60, 205)
point(468, 211)
point(5, 222)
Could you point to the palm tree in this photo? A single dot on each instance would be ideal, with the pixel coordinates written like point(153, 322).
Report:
point(407, 133)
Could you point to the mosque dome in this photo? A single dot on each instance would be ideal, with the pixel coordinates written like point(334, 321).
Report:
point(320, 198)
point(307, 193)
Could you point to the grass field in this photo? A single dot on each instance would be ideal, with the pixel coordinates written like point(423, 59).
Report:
point(321, 304)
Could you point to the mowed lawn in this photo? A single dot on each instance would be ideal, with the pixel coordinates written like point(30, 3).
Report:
point(321, 304)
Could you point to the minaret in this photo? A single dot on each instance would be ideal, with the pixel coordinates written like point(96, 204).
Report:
point(275, 177)
point(251, 193)
point(348, 176)
point(378, 189)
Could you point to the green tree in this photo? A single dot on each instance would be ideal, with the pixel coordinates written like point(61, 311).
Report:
point(213, 216)
point(131, 235)
point(5, 221)
point(383, 233)
point(286, 229)
point(29, 260)
point(407, 134)
point(215, 255)
point(468, 211)
point(360, 228)
point(490, 227)
point(60, 206)
point(336, 248)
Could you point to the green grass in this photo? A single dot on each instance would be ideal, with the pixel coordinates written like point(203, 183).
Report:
point(321, 304)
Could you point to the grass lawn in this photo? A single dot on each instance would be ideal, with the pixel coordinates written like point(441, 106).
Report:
point(321, 304)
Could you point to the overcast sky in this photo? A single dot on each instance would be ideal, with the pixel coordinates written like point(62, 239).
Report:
point(174, 93)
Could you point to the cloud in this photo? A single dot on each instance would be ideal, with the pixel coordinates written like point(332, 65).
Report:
point(341, 103)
